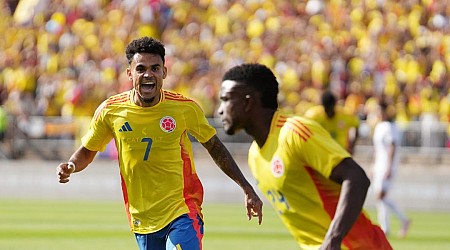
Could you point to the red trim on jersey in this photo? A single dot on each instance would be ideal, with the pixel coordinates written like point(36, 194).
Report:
point(123, 95)
point(300, 125)
point(329, 199)
point(173, 94)
point(363, 234)
point(178, 99)
point(298, 133)
point(125, 199)
point(300, 129)
point(295, 125)
point(280, 121)
point(193, 189)
point(282, 118)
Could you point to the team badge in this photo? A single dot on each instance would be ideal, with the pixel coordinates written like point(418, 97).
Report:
point(277, 167)
point(167, 124)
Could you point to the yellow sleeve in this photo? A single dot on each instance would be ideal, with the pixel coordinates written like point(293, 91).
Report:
point(99, 133)
point(197, 124)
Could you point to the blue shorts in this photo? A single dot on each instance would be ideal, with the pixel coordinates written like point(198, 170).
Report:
point(185, 232)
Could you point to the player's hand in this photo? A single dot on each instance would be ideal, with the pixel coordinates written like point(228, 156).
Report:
point(64, 170)
point(254, 206)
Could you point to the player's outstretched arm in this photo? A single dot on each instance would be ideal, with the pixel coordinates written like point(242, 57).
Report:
point(353, 194)
point(77, 162)
point(225, 161)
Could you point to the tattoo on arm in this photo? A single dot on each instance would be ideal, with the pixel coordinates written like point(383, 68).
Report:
point(224, 160)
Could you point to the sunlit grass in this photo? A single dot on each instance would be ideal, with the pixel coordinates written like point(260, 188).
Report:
point(33, 224)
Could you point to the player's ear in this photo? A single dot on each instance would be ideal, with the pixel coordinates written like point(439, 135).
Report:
point(128, 71)
point(249, 102)
point(164, 72)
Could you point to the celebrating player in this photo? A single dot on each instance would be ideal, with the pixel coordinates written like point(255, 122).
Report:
point(316, 187)
point(150, 126)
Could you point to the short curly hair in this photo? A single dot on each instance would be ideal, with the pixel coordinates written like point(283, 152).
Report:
point(145, 45)
point(260, 78)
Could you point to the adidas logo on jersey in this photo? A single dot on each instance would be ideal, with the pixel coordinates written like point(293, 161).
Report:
point(125, 127)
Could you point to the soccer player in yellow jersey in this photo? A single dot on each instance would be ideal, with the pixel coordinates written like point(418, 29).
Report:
point(162, 192)
point(341, 124)
point(315, 186)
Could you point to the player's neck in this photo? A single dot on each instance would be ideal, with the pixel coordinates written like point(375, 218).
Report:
point(260, 126)
point(138, 100)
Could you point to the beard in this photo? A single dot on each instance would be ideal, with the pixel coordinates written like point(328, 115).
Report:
point(146, 100)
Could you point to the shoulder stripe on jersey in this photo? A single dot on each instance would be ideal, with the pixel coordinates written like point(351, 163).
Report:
point(117, 99)
point(176, 97)
point(281, 120)
point(179, 97)
point(299, 128)
point(303, 126)
point(173, 94)
point(123, 97)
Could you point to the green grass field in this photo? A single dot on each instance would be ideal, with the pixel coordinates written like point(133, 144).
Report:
point(27, 224)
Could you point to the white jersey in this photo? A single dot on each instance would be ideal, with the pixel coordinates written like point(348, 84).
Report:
point(385, 134)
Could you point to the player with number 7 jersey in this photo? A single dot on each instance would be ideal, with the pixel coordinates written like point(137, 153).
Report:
point(150, 127)
point(153, 144)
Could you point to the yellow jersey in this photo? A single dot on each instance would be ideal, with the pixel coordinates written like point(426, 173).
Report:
point(292, 170)
point(338, 126)
point(159, 180)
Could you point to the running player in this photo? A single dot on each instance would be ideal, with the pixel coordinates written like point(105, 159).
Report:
point(316, 187)
point(162, 192)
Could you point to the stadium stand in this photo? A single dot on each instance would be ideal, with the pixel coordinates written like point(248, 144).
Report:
point(59, 59)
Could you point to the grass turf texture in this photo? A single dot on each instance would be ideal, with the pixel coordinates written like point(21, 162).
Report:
point(29, 224)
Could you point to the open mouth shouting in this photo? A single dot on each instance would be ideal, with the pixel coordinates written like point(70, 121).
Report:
point(147, 91)
point(147, 88)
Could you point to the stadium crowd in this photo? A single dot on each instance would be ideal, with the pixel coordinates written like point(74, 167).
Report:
point(62, 57)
